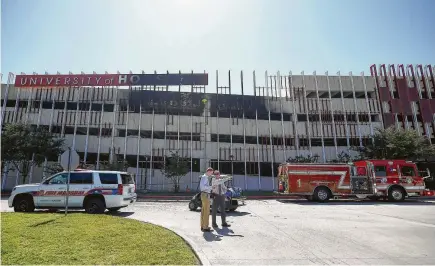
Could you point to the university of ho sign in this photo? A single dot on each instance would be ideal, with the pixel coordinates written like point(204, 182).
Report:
point(97, 80)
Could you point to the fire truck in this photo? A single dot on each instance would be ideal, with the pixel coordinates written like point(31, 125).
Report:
point(394, 180)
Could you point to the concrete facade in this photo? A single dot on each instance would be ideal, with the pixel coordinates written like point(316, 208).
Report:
point(247, 133)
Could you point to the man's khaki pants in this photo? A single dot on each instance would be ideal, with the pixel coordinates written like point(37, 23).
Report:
point(205, 210)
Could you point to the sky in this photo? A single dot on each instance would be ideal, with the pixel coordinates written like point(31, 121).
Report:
point(171, 35)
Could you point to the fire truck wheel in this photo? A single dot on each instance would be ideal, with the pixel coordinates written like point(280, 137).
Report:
point(396, 194)
point(322, 194)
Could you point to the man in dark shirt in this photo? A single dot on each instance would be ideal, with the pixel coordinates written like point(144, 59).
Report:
point(219, 201)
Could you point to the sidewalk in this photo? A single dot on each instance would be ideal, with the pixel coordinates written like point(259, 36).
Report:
point(186, 196)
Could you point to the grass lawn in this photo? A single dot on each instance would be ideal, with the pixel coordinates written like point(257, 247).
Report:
point(47, 238)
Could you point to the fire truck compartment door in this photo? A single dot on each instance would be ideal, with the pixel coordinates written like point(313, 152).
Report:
point(298, 183)
point(372, 176)
point(361, 185)
point(363, 182)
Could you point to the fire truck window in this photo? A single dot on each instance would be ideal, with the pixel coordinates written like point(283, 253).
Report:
point(407, 171)
point(380, 170)
point(361, 171)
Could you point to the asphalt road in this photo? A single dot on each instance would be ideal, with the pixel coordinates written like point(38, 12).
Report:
point(299, 232)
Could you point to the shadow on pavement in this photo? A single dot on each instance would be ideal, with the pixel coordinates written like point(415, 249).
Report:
point(358, 202)
point(225, 231)
point(220, 232)
point(233, 213)
point(237, 213)
point(210, 236)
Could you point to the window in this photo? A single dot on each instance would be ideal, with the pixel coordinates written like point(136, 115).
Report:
point(361, 171)
point(380, 170)
point(81, 178)
point(127, 179)
point(59, 179)
point(107, 178)
point(407, 171)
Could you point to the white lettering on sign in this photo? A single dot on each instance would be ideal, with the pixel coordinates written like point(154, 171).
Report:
point(134, 79)
point(122, 79)
point(108, 81)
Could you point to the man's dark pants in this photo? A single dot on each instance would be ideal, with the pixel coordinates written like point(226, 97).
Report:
point(218, 201)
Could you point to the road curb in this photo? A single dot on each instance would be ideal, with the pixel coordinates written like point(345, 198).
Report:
point(200, 255)
point(184, 198)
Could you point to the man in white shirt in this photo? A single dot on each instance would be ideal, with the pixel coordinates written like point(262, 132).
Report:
point(205, 187)
point(218, 192)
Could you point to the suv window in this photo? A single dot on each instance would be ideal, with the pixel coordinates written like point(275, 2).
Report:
point(81, 178)
point(59, 179)
point(108, 178)
point(407, 170)
point(127, 179)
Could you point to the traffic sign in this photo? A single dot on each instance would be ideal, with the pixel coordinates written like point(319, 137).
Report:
point(72, 157)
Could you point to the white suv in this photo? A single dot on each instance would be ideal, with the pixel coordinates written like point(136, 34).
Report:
point(94, 191)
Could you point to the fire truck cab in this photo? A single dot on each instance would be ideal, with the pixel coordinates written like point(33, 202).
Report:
point(392, 179)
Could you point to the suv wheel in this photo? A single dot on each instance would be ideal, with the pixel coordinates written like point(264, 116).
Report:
point(95, 206)
point(24, 203)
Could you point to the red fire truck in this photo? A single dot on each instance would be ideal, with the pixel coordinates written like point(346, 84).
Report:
point(374, 179)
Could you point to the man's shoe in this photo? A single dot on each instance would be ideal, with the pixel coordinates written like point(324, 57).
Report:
point(214, 225)
point(206, 230)
point(226, 225)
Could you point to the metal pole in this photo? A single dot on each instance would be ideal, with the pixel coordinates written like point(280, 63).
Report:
point(272, 159)
point(344, 112)
point(218, 150)
point(294, 115)
point(68, 180)
point(356, 110)
point(232, 165)
point(334, 129)
point(320, 109)
point(244, 131)
point(308, 127)
point(256, 130)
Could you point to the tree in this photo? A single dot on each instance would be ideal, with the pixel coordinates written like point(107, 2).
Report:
point(115, 164)
point(24, 146)
point(304, 159)
point(51, 169)
point(344, 157)
point(175, 168)
point(394, 143)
